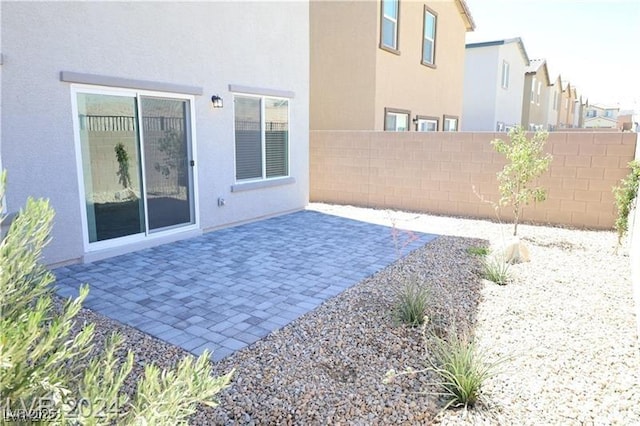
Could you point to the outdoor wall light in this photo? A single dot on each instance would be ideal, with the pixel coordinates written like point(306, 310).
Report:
point(216, 101)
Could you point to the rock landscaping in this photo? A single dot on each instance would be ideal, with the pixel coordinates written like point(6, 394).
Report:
point(565, 321)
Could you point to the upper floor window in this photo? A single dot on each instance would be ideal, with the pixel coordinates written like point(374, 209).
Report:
point(505, 74)
point(450, 123)
point(389, 24)
point(555, 101)
point(396, 120)
point(608, 113)
point(538, 92)
point(262, 137)
point(429, 37)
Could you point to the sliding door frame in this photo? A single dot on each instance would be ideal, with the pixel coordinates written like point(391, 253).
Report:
point(192, 150)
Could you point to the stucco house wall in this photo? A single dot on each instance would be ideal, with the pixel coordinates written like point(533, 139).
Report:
point(484, 64)
point(207, 45)
point(403, 82)
point(353, 80)
point(343, 64)
point(480, 74)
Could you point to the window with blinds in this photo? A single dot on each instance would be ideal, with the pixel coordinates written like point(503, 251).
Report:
point(262, 137)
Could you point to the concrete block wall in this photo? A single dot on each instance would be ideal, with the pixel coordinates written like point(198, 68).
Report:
point(444, 173)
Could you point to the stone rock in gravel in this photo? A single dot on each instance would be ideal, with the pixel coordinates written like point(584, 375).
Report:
point(516, 251)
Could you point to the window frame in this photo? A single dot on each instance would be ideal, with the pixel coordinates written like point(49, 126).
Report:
point(240, 182)
point(538, 93)
point(433, 13)
point(397, 111)
point(504, 83)
point(392, 49)
point(446, 117)
point(419, 118)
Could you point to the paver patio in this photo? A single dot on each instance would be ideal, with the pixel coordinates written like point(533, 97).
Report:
point(227, 289)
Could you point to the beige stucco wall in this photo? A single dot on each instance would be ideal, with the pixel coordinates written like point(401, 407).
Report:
point(352, 80)
point(535, 112)
point(343, 42)
point(437, 173)
point(403, 82)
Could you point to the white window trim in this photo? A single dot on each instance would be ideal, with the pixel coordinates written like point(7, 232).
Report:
point(146, 238)
point(533, 90)
point(245, 184)
point(538, 93)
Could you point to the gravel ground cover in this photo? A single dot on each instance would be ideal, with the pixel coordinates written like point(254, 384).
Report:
point(566, 322)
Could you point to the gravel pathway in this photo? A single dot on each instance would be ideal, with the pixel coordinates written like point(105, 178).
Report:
point(566, 321)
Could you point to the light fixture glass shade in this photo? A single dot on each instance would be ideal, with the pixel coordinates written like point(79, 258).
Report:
point(216, 101)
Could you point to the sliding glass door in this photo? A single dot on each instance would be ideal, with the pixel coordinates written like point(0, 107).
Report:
point(136, 164)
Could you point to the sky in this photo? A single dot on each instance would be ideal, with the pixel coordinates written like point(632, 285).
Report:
point(595, 44)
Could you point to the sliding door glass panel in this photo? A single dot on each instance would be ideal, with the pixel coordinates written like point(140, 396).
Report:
point(111, 158)
point(167, 168)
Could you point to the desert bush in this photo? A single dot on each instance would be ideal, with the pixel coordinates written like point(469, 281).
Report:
point(52, 372)
point(625, 195)
point(525, 163)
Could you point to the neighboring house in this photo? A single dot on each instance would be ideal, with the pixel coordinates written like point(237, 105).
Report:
point(554, 101)
point(601, 116)
point(387, 65)
point(578, 115)
point(567, 106)
point(535, 102)
point(145, 123)
point(493, 85)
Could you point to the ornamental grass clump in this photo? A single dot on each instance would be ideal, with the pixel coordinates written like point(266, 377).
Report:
point(461, 369)
point(496, 269)
point(413, 301)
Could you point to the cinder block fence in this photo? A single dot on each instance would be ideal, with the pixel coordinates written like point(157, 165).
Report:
point(437, 173)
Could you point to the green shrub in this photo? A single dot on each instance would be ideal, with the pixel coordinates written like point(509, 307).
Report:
point(478, 251)
point(496, 269)
point(525, 163)
point(48, 370)
point(625, 194)
point(412, 303)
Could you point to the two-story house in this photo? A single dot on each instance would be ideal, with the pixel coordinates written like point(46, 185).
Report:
point(567, 106)
point(494, 83)
point(535, 102)
point(601, 116)
point(144, 123)
point(387, 65)
point(553, 103)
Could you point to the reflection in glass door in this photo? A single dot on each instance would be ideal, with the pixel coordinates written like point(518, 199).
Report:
point(136, 164)
point(111, 166)
point(167, 169)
